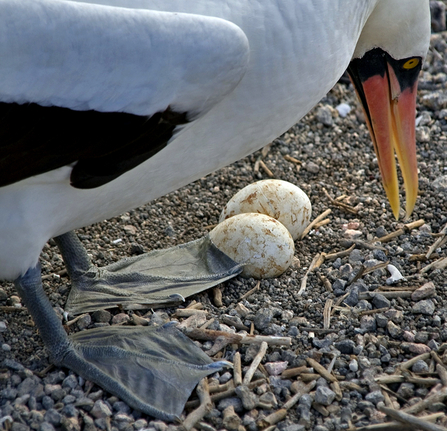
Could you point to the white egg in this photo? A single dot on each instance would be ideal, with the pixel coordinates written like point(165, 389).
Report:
point(258, 241)
point(281, 200)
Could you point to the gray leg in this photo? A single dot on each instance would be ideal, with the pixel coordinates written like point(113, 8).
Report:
point(153, 369)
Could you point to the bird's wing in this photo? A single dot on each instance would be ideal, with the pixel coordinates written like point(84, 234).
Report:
point(105, 87)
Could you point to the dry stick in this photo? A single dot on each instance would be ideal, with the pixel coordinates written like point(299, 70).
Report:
point(395, 394)
point(339, 301)
point(377, 310)
point(187, 312)
point(207, 323)
point(272, 419)
point(314, 222)
point(280, 414)
point(193, 321)
point(254, 365)
point(358, 275)
point(304, 279)
point(217, 296)
point(251, 291)
point(210, 335)
point(397, 426)
point(237, 369)
point(321, 370)
point(442, 372)
point(322, 223)
point(230, 322)
point(219, 344)
point(346, 207)
point(387, 399)
point(303, 389)
point(333, 256)
point(411, 420)
point(292, 159)
point(438, 242)
point(73, 321)
point(401, 231)
point(408, 364)
point(265, 150)
point(327, 314)
point(362, 244)
point(437, 264)
point(436, 358)
point(309, 377)
point(396, 378)
point(397, 288)
point(376, 267)
point(221, 388)
point(266, 169)
point(226, 394)
point(437, 397)
point(204, 407)
point(292, 372)
point(318, 330)
point(392, 294)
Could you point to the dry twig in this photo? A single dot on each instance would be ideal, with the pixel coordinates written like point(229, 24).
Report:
point(411, 420)
point(254, 365)
point(327, 314)
point(237, 369)
point(396, 426)
point(401, 231)
point(266, 169)
point(210, 335)
point(314, 222)
point(438, 243)
point(342, 205)
point(250, 292)
point(204, 407)
point(310, 269)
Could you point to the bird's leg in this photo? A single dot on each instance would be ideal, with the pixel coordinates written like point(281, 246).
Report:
point(161, 277)
point(75, 255)
point(153, 369)
point(29, 287)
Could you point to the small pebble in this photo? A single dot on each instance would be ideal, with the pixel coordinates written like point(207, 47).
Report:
point(425, 306)
point(324, 395)
point(425, 291)
point(420, 367)
point(275, 368)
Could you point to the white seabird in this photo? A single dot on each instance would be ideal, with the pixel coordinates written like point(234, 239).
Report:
point(104, 107)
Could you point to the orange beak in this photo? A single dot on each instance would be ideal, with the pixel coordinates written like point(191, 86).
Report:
point(387, 90)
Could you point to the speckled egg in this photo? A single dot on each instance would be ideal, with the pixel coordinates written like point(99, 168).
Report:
point(258, 241)
point(281, 200)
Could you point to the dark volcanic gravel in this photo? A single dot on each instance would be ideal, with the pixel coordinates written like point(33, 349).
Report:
point(375, 327)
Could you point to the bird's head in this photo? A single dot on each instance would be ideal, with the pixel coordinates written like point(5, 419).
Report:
point(384, 70)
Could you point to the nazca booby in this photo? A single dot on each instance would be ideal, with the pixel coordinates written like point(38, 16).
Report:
point(105, 107)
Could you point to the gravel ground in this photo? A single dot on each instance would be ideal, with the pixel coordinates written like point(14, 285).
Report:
point(374, 327)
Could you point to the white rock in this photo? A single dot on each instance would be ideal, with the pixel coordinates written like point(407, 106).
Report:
point(343, 109)
point(281, 200)
point(395, 275)
point(258, 241)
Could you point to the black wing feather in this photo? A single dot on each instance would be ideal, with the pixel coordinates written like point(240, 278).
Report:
point(35, 139)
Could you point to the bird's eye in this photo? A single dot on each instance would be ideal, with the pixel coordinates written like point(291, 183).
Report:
point(411, 64)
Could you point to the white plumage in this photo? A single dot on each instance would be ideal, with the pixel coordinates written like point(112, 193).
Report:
point(84, 56)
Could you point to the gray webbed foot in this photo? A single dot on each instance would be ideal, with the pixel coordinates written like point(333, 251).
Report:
point(153, 369)
point(158, 278)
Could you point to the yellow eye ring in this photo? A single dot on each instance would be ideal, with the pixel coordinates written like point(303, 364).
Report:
point(411, 64)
